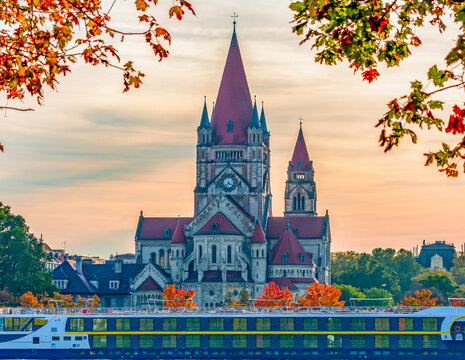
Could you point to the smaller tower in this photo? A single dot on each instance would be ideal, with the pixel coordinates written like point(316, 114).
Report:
point(266, 134)
point(204, 142)
point(254, 144)
point(300, 193)
point(178, 252)
point(258, 258)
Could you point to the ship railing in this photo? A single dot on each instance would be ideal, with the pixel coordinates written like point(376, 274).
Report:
point(220, 310)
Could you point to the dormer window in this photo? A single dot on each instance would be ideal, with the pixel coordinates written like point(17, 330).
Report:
point(302, 257)
point(299, 163)
point(61, 284)
point(294, 230)
point(113, 284)
point(229, 128)
point(167, 233)
point(284, 257)
point(214, 227)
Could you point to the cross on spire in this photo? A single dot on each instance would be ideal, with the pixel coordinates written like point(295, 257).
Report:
point(301, 119)
point(234, 16)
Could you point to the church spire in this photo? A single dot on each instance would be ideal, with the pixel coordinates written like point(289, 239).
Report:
point(300, 159)
point(204, 121)
point(233, 107)
point(254, 123)
point(263, 120)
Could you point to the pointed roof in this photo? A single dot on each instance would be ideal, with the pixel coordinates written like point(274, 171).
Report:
point(263, 120)
point(223, 225)
point(258, 234)
point(233, 102)
point(178, 236)
point(204, 121)
point(300, 156)
point(255, 122)
point(294, 250)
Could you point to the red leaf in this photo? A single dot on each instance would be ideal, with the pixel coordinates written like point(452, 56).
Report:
point(370, 75)
point(176, 10)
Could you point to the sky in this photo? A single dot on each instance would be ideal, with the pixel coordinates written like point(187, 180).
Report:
point(81, 167)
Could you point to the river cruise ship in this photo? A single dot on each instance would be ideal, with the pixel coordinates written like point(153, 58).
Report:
point(316, 333)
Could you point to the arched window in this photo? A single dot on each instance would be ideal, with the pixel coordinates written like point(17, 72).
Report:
point(214, 227)
point(169, 258)
point(214, 254)
point(302, 257)
point(230, 126)
point(177, 253)
point(162, 258)
point(284, 272)
point(298, 201)
point(284, 257)
point(167, 233)
point(200, 252)
point(295, 203)
point(263, 253)
point(229, 254)
point(303, 202)
point(153, 258)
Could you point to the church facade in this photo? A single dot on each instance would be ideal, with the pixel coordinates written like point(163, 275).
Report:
point(233, 241)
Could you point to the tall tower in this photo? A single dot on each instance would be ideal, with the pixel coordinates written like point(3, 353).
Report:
point(233, 156)
point(300, 193)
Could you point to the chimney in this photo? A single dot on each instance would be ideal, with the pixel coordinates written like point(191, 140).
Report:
point(78, 260)
point(118, 266)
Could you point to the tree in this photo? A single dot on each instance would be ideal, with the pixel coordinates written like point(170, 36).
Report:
point(421, 298)
point(321, 295)
point(273, 296)
point(29, 300)
point(377, 293)
point(367, 33)
point(458, 269)
point(41, 39)
point(22, 259)
point(236, 298)
point(440, 282)
point(349, 292)
point(178, 297)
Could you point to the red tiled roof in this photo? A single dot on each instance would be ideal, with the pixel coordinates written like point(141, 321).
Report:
point(283, 282)
point(178, 236)
point(289, 244)
point(300, 154)
point(149, 284)
point(212, 275)
point(233, 101)
point(154, 227)
point(223, 225)
point(258, 234)
point(306, 226)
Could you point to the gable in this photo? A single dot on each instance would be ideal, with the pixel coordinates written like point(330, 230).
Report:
point(219, 224)
point(149, 284)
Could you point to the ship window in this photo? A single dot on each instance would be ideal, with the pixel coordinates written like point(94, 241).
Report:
point(170, 324)
point(35, 340)
point(430, 324)
point(99, 341)
point(382, 341)
point(230, 126)
point(168, 341)
point(12, 324)
point(239, 341)
point(406, 341)
point(286, 341)
point(123, 324)
point(310, 341)
point(239, 324)
point(123, 341)
point(357, 341)
point(286, 324)
point(167, 232)
point(357, 324)
point(215, 341)
point(284, 257)
point(145, 324)
point(405, 324)
point(99, 325)
point(263, 341)
point(192, 341)
point(216, 324)
point(78, 338)
point(145, 341)
point(55, 338)
point(67, 338)
point(430, 341)
point(263, 324)
point(192, 324)
point(382, 324)
point(334, 341)
point(40, 321)
point(334, 324)
point(310, 324)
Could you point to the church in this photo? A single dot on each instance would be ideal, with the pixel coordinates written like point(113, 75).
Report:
point(232, 241)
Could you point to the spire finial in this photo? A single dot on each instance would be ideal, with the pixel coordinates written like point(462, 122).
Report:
point(255, 98)
point(301, 119)
point(205, 99)
point(234, 16)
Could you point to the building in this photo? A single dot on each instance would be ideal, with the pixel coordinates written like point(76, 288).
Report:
point(437, 255)
point(233, 241)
